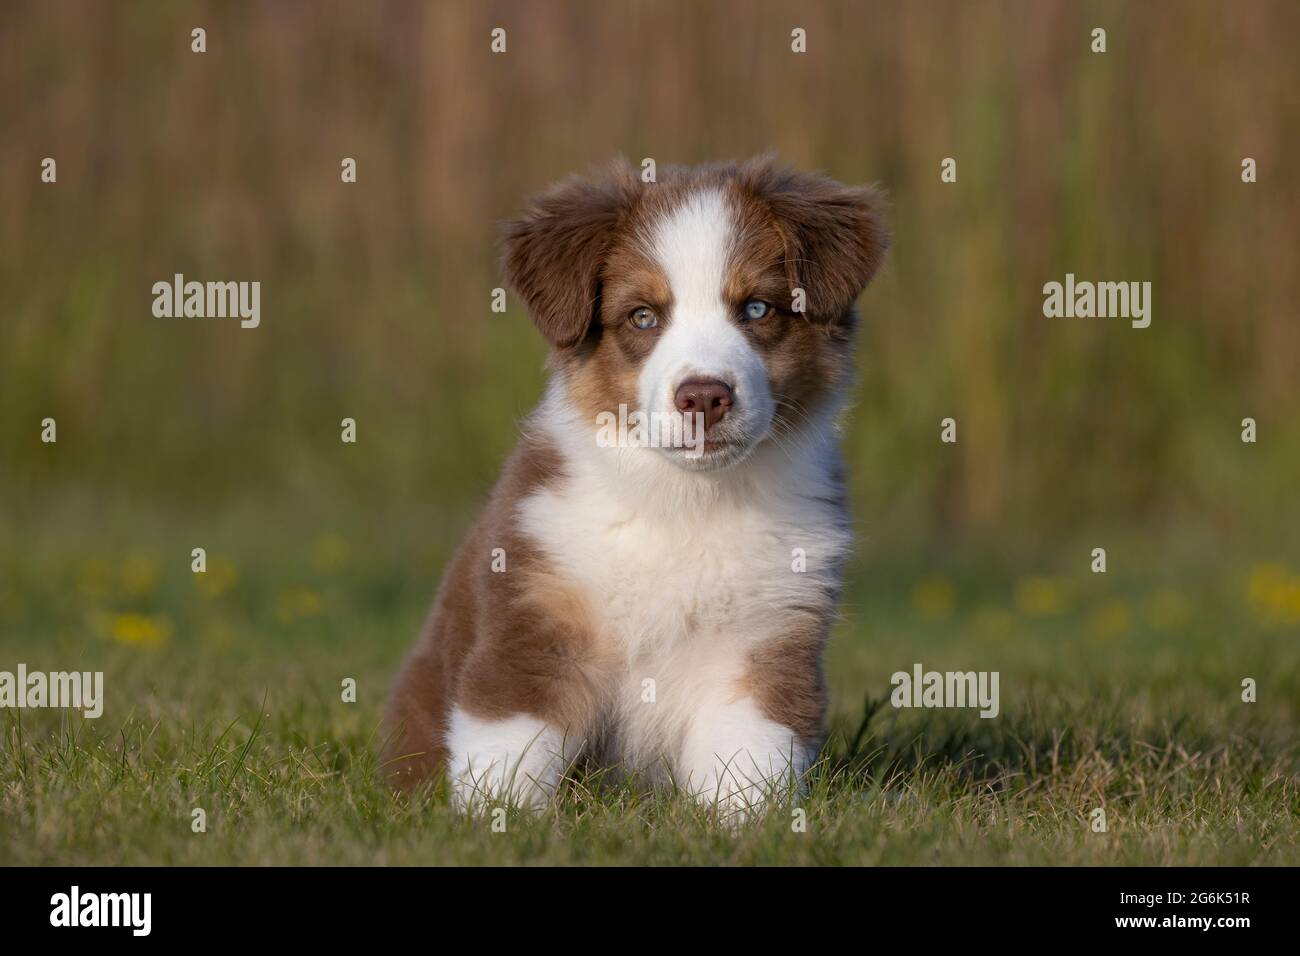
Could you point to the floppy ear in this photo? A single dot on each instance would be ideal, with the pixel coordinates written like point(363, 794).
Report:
point(835, 236)
point(554, 252)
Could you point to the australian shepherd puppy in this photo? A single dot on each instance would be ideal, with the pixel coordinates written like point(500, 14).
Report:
point(657, 606)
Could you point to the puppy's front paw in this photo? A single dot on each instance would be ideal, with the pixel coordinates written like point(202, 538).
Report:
point(518, 761)
point(740, 761)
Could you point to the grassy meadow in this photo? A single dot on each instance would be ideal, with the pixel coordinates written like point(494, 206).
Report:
point(1120, 691)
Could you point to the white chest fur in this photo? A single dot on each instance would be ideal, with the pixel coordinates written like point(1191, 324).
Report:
point(687, 574)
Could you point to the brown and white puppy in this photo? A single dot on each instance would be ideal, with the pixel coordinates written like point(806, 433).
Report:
point(657, 606)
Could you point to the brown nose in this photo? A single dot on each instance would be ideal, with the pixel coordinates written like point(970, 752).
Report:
point(711, 398)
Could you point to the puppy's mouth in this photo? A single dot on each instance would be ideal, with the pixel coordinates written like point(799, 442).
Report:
point(710, 446)
point(692, 446)
point(722, 449)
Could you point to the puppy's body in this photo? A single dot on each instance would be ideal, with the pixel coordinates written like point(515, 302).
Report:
point(652, 610)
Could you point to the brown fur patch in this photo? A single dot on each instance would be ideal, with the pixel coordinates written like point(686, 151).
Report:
point(834, 235)
point(785, 677)
point(602, 372)
point(554, 253)
point(802, 231)
point(497, 644)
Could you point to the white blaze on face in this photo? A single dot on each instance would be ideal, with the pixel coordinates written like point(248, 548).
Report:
point(693, 245)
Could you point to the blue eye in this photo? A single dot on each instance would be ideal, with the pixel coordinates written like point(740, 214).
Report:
point(756, 309)
point(643, 318)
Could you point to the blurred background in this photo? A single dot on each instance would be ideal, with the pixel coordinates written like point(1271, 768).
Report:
point(1073, 433)
point(223, 688)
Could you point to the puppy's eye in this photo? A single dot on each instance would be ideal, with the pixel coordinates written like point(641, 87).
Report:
point(755, 309)
point(643, 318)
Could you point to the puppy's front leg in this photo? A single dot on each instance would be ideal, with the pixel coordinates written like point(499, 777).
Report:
point(737, 758)
point(751, 741)
point(524, 706)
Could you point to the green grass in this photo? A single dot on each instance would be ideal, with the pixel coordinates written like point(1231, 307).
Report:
point(1115, 693)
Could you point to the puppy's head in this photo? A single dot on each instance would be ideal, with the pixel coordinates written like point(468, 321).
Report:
point(719, 294)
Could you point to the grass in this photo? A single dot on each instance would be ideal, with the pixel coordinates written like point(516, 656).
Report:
point(224, 693)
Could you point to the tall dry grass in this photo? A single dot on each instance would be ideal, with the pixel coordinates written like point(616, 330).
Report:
point(1121, 166)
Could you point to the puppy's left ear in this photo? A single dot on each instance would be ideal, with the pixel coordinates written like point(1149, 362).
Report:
point(835, 236)
point(553, 254)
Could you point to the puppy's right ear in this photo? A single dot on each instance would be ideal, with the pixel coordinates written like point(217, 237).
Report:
point(554, 252)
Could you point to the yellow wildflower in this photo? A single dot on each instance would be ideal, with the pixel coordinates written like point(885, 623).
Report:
point(934, 599)
point(141, 630)
point(298, 602)
point(1039, 597)
point(219, 578)
point(1110, 619)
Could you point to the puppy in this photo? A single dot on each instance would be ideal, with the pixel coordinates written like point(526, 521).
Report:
point(657, 606)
